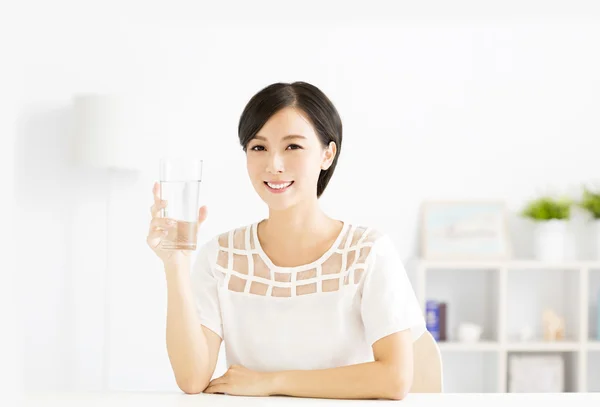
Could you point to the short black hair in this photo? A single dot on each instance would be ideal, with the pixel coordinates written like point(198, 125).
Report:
point(311, 100)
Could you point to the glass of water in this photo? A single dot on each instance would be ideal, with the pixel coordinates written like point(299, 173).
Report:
point(180, 180)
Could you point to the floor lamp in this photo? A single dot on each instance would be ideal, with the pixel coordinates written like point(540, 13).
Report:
point(104, 139)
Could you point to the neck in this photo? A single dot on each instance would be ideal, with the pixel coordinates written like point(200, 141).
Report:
point(297, 224)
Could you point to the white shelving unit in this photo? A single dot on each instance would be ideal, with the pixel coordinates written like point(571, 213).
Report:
point(504, 297)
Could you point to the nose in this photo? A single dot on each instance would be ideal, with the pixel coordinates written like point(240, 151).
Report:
point(275, 164)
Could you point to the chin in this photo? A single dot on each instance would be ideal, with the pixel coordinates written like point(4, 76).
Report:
point(279, 204)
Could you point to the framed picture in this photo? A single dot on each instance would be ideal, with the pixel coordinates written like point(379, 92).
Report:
point(463, 230)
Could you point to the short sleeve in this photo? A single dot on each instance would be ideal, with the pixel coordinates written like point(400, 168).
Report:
point(388, 302)
point(205, 287)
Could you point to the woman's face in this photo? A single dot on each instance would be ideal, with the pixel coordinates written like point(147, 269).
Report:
point(285, 159)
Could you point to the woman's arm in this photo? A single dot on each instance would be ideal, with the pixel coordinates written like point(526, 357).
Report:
point(192, 348)
point(388, 377)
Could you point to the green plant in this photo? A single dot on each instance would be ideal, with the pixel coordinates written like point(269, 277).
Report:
point(591, 202)
point(547, 208)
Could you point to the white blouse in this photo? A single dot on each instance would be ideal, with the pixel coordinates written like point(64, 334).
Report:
point(320, 315)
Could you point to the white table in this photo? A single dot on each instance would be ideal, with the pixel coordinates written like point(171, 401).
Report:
point(148, 399)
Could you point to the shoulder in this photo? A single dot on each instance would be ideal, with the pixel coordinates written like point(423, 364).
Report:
point(234, 238)
point(239, 238)
point(213, 251)
point(374, 247)
point(365, 237)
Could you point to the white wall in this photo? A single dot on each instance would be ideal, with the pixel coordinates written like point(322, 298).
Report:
point(460, 102)
point(10, 346)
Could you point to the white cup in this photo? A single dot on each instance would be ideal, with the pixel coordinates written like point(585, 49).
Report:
point(469, 332)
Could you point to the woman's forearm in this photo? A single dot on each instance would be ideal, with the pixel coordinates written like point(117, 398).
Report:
point(187, 345)
point(372, 380)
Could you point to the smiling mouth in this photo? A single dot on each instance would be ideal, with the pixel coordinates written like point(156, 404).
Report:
point(278, 186)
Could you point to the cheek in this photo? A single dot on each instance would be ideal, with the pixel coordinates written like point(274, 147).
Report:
point(253, 168)
point(306, 165)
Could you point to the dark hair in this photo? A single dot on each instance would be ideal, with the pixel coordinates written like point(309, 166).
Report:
point(304, 96)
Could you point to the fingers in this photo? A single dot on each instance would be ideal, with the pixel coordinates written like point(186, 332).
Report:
point(154, 238)
point(218, 385)
point(156, 192)
point(219, 388)
point(157, 207)
point(218, 380)
point(162, 224)
point(159, 229)
point(202, 214)
point(159, 204)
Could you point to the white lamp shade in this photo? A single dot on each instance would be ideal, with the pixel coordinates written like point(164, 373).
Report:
point(105, 131)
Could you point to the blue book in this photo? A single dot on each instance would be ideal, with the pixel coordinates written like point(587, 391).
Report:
point(432, 318)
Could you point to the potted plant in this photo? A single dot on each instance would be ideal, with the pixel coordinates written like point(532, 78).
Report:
point(590, 201)
point(551, 216)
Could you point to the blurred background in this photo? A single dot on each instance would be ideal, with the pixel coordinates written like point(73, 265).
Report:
point(449, 109)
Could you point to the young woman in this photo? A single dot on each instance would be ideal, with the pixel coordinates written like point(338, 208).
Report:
point(307, 305)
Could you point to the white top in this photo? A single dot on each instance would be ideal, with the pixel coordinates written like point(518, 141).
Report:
point(320, 315)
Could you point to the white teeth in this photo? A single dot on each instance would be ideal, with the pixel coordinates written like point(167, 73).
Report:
point(279, 186)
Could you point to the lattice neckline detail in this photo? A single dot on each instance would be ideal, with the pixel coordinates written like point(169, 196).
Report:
point(301, 267)
point(247, 269)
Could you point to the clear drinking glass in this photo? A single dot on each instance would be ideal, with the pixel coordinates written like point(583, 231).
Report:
point(180, 180)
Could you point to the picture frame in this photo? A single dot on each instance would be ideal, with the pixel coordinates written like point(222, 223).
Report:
point(465, 230)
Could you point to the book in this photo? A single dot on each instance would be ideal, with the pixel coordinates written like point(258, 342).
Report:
point(443, 323)
point(432, 318)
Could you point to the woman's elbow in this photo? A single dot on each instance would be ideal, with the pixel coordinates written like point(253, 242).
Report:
point(397, 394)
point(192, 387)
point(398, 388)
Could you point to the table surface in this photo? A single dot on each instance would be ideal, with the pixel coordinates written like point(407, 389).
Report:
point(160, 399)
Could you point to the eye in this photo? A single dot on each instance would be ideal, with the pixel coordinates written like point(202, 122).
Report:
point(257, 148)
point(294, 147)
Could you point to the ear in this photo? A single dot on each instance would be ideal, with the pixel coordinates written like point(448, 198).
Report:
point(329, 155)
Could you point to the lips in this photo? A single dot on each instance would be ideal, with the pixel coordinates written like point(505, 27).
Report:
point(278, 186)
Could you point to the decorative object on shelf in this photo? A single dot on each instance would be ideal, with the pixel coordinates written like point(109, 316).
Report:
point(551, 216)
point(469, 332)
point(590, 201)
point(536, 374)
point(432, 318)
point(554, 326)
point(459, 230)
point(526, 333)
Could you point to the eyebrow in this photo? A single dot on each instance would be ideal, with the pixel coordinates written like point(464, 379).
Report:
point(290, 136)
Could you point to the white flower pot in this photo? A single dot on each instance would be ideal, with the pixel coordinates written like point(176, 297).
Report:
point(551, 240)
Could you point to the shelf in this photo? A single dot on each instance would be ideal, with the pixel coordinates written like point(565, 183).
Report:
point(593, 378)
point(593, 307)
point(479, 372)
point(490, 346)
point(593, 345)
point(558, 346)
point(571, 369)
point(482, 346)
point(508, 264)
point(533, 291)
point(508, 298)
